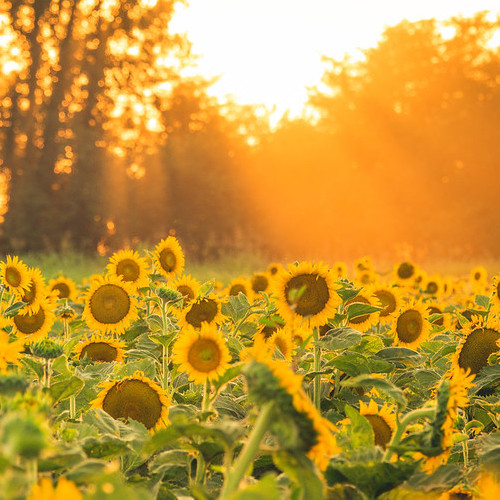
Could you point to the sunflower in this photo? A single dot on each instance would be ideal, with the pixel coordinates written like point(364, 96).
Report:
point(35, 293)
point(306, 291)
point(365, 321)
point(410, 325)
point(100, 349)
point(478, 274)
point(136, 397)
point(169, 257)
point(109, 305)
point(274, 268)
point(340, 269)
point(281, 340)
point(363, 264)
point(273, 380)
point(44, 490)
point(260, 282)
point(64, 288)
point(202, 310)
point(14, 274)
point(301, 336)
point(405, 273)
point(433, 285)
point(479, 341)
point(495, 294)
point(130, 267)
point(32, 327)
point(187, 286)
point(488, 486)
point(202, 354)
point(239, 285)
point(9, 351)
point(382, 421)
point(390, 299)
point(445, 321)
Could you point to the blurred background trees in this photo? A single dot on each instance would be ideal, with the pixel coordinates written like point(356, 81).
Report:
point(106, 141)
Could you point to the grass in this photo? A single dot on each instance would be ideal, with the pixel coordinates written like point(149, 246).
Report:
point(78, 266)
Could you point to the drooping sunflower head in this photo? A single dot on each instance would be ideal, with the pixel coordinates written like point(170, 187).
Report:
point(31, 327)
point(110, 306)
point(410, 324)
point(63, 288)
point(202, 354)
point(100, 349)
point(260, 282)
point(390, 299)
point(202, 310)
point(451, 395)
point(363, 322)
point(405, 272)
point(35, 293)
point(130, 267)
point(239, 285)
point(306, 292)
point(14, 274)
point(382, 421)
point(187, 286)
point(480, 340)
point(169, 257)
point(135, 397)
point(297, 424)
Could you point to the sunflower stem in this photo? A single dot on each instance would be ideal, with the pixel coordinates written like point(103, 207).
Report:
point(317, 366)
point(206, 403)
point(200, 469)
point(72, 407)
point(403, 424)
point(245, 459)
point(465, 449)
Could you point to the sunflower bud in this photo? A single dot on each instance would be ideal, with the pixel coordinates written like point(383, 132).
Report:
point(167, 295)
point(47, 349)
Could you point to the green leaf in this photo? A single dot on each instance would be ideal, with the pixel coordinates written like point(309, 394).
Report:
point(33, 365)
point(106, 446)
point(340, 338)
point(487, 377)
point(489, 452)
point(442, 479)
point(351, 363)
point(87, 471)
point(12, 310)
point(265, 489)
point(357, 309)
point(301, 471)
point(230, 374)
point(348, 292)
point(401, 356)
point(359, 433)
point(169, 459)
point(65, 388)
point(367, 382)
point(482, 300)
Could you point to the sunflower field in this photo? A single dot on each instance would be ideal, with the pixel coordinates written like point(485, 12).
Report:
point(301, 381)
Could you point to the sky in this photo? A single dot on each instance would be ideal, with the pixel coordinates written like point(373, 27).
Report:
point(269, 51)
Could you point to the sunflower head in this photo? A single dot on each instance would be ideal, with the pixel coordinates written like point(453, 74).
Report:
point(339, 269)
point(202, 354)
point(63, 288)
point(389, 298)
point(188, 287)
point(14, 274)
point(274, 268)
point(239, 285)
point(202, 310)
point(480, 340)
point(382, 421)
point(135, 397)
point(100, 349)
point(306, 292)
point(169, 257)
point(110, 306)
point(282, 341)
point(405, 272)
point(260, 282)
point(433, 285)
point(127, 265)
point(410, 324)
point(35, 293)
point(10, 352)
point(31, 327)
point(365, 321)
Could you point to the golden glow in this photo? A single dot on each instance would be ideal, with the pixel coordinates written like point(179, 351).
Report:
point(276, 46)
